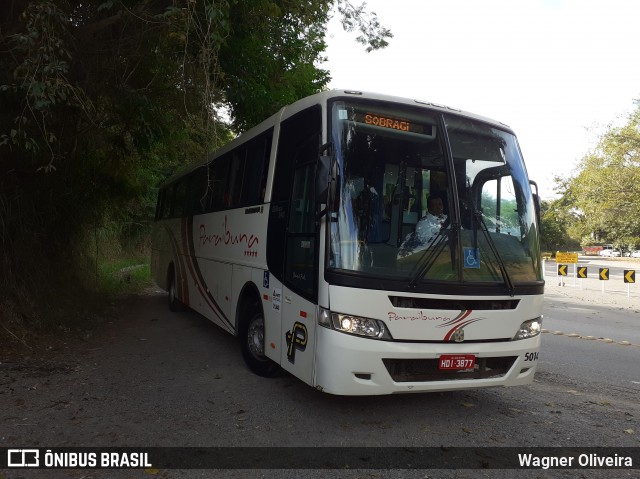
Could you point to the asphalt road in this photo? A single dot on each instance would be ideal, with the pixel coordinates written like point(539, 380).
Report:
point(591, 361)
point(155, 378)
point(593, 333)
point(593, 321)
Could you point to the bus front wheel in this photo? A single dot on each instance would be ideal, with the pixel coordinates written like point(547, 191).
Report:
point(252, 344)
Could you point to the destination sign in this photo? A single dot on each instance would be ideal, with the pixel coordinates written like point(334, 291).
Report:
point(386, 122)
point(391, 122)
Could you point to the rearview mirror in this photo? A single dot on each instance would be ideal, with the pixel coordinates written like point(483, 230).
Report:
point(536, 203)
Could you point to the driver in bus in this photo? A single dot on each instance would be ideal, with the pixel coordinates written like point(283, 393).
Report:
point(366, 206)
point(426, 230)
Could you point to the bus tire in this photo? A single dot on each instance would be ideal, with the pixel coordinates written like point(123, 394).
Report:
point(252, 345)
point(174, 303)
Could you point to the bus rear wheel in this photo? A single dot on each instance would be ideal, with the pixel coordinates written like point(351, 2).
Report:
point(174, 303)
point(252, 345)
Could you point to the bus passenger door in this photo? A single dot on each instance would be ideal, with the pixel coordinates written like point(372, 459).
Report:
point(292, 254)
point(300, 269)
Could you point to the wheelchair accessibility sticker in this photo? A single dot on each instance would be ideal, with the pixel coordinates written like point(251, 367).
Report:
point(472, 258)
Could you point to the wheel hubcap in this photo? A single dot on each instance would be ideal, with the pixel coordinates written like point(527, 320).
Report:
point(255, 337)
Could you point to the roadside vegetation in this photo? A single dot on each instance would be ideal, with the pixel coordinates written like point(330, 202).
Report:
point(599, 203)
point(101, 100)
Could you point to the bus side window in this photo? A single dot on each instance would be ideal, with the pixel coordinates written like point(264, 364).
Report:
point(198, 191)
point(218, 173)
point(168, 201)
point(159, 204)
point(257, 166)
point(265, 166)
point(179, 199)
point(238, 160)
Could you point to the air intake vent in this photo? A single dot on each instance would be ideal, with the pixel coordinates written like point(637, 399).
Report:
point(453, 304)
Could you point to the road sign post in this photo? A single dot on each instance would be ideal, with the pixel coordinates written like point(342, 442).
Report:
point(629, 278)
point(582, 274)
point(563, 260)
point(562, 272)
point(604, 276)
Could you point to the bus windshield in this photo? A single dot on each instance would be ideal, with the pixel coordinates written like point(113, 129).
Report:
point(415, 203)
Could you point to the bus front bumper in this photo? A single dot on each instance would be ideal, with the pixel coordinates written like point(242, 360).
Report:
point(351, 365)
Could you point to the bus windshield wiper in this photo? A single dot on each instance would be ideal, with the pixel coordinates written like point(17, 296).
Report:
point(492, 246)
point(428, 258)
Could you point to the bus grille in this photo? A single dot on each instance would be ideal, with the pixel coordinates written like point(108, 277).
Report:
point(416, 370)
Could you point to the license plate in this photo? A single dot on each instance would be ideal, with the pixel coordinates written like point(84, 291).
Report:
point(457, 361)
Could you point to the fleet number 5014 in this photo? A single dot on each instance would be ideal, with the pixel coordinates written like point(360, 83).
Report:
point(530, 356)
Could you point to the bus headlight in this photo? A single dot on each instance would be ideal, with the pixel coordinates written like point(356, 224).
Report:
point(346, 323)
point(529, 329)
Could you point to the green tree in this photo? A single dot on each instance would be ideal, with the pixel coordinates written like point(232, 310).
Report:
point(606, 189)
point(100, 100)
point(272, 56)
point(555, 232)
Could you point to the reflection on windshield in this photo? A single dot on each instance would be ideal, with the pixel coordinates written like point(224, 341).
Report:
point(427, 229)
point(397, 206)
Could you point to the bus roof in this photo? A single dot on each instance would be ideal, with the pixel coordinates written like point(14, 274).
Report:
point(320, 98)
point(341, 93)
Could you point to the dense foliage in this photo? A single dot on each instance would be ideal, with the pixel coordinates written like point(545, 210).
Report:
point(600, 202)
point(556, 222)
point(101, 99)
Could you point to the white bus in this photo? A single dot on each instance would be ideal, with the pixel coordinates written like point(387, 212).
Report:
point(310, 238)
